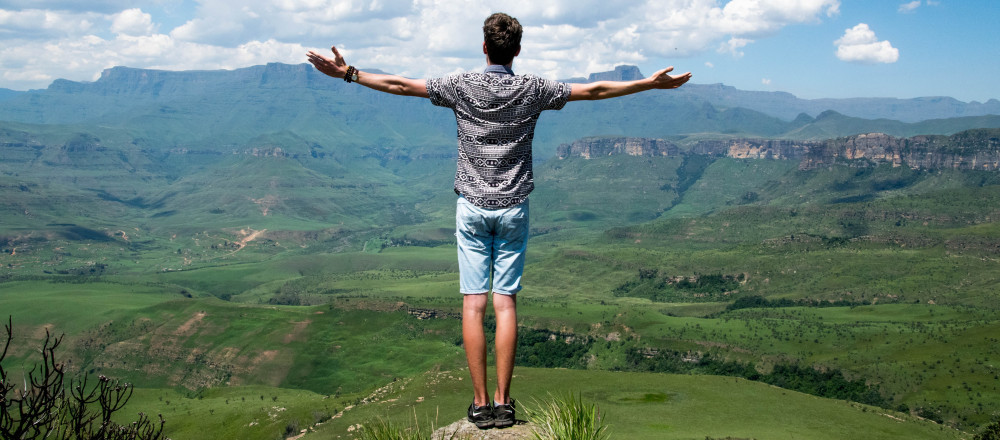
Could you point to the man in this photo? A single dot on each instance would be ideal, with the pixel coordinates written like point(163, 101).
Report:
point(496, 113)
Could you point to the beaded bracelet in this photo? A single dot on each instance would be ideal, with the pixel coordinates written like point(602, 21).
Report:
point(349, 74)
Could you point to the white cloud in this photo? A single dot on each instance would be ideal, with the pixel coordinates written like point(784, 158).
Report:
point(229, 23)
point(84, 58)
point(909, 7)
point(132, 22)
point(733, 46)
point(765, 81)
point(75, 6)
point(859, 44)
point(43, 24)
point(223, 32)
point(644, 30)
point(419, 38)
point(709, 64)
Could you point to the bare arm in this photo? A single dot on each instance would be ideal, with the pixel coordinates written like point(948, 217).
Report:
point(397, 85)
point(613, 89)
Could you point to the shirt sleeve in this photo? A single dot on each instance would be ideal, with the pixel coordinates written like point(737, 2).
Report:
point(555, 94)
point(443, 91)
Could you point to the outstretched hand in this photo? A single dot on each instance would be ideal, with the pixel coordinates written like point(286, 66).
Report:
point(663, 81)
point(335, 67)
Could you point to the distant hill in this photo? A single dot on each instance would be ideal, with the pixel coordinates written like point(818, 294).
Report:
point(222, 110)
point(298, 151)
point(787, 106)
point(6, 94)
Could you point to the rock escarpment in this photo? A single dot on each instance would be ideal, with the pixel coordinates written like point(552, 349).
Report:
point(589, 148)
point(969, 150)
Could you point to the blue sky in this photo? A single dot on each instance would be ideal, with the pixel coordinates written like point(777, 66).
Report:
point(810, 48)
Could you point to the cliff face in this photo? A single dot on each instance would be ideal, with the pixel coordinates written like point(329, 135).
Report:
point(621, 73)
point(969, 150)
point(588, 148)
point(128, 81)
point(757, 148)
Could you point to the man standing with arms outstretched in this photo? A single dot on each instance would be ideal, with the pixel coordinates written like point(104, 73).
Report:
point(496, 112)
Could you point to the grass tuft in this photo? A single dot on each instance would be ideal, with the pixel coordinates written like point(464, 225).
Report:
point(382, 429)
point(566, 418)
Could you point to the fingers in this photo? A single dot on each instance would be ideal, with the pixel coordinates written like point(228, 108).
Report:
point(326, 64)
point(336, 54)
point(318, 60)
point(662, 72)
point(313, 56)
point(664, 81)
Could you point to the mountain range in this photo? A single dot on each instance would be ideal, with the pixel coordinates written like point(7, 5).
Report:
point(254, 106)
point(788, 106)
point(303, 151)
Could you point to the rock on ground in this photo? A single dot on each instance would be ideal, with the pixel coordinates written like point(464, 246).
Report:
point(465, 430)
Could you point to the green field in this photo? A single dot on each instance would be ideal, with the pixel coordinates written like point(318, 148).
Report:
point(658, 406)
point(635, 405)
point(723, 297)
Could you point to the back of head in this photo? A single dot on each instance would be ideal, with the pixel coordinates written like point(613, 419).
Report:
point(502, 34)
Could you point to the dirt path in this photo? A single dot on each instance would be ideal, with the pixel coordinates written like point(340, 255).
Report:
point(185, 329)
point(248, 235)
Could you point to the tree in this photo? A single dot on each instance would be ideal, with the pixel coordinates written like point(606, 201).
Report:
point(50, 406)
point(992, 432)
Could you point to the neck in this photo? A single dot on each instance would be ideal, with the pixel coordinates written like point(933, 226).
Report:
point(490, 62)
point(499, 68)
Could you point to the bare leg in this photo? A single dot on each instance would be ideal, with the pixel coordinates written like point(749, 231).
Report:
point(474, 340)
point(505, 308)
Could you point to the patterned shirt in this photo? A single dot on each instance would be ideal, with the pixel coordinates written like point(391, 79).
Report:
point(496, 113)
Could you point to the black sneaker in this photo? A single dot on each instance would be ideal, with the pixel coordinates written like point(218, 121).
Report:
point(482, 416)
point(503, 415)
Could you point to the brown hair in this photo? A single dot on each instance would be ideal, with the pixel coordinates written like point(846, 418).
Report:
point(502, 34)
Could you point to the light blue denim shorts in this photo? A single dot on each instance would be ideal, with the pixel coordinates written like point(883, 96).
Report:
point(490, 242)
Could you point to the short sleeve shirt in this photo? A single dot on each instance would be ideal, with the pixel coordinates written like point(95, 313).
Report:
point(496, 113)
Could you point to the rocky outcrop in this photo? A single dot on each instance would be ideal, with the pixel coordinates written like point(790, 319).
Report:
point(969, 150)
point(588, 148)
point(431, 314)
point(463, 429)
point(757, 148)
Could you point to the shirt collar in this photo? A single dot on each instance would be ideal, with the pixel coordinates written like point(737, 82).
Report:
point(498, 69)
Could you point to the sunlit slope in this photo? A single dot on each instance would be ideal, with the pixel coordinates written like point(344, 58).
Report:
point(651, 406)
point(163, 339)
